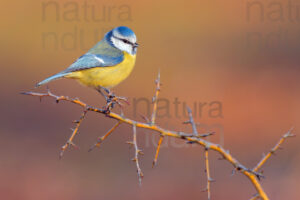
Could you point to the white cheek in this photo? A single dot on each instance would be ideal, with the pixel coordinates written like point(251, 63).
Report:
point(122, 46)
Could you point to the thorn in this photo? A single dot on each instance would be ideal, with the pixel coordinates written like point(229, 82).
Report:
point(292, 135)
point(73, 145)
point(92, 147)
point(273, 152)
point(141, 174)
point(207, 134)
point(129, 142)
point(154, 163)
point(145, 118)
point(25, 93)
point(211, 180)
point(153, 99)
point(190, 142)
point(140, 152)
point(233, 172)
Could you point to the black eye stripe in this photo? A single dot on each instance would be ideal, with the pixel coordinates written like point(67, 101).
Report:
point(124, 40)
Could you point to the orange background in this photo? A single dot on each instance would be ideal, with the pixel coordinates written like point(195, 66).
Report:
point(202, 51)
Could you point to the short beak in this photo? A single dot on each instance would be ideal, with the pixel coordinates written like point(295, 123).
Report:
point(135, 45)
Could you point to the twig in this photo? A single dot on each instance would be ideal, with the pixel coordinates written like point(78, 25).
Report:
point(65, 98)
point(206, 134)
point(209, 179)
point(101, 139)
point(155, 99)
point(161, 137)
point(196, 136)
point(75, 131)
point(191, 121)
point(194, 126)
point(153, 117)
point(136, 158)
point(273, 150)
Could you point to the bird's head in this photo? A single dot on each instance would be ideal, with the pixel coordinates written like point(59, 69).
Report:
point(123, 38)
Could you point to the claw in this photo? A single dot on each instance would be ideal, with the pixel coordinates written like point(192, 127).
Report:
point(112, 100)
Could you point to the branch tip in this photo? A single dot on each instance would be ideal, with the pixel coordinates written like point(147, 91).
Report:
point(191, 121)
point(273, 150)
point(155, 99)
point(154, 163)
point(101, 139)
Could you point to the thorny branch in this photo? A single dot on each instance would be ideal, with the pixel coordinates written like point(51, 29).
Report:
point(136, 155)
point(161, 137)
point(191, 121)
point(251, 174)
point(273, 150)
point(75, 131)
point(209, 179)
point(101, 139)
point(196, 134)
point(153, 117)
point(194, 126)
point(155, 99)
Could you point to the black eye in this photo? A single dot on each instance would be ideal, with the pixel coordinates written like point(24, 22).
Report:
point(126, 41)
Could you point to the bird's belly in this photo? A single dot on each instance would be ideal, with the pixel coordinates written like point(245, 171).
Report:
point(107, 76)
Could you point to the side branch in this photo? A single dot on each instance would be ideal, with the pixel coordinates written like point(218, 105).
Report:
point(161, 137)
point(155, 99)
point(101, 139)
point(209, 179)
point(136, 155)
point(75, 131)
point(191, 121)
point(153, 117)
point(273, 150)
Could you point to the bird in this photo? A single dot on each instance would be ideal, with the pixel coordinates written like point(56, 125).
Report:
point(106, 64)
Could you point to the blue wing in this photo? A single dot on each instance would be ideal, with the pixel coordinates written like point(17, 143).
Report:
point(90, 60)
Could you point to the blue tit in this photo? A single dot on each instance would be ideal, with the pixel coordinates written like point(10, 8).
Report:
point(105, 65)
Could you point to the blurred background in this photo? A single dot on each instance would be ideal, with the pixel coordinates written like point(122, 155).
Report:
point(235, 63)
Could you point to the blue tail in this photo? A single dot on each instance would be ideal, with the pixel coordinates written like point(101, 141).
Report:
point(51, 78)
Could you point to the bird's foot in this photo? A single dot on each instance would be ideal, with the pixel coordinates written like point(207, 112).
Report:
point(112, 100)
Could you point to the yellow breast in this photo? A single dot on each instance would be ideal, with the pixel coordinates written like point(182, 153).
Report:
point(106, 76)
